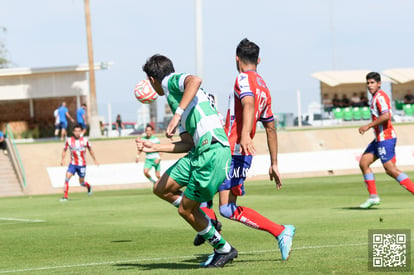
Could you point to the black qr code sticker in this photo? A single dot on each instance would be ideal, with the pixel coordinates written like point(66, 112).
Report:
point(389, 250)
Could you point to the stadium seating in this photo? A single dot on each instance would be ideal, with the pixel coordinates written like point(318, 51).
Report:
point(356, 113)
point(338, 113)
point(399, 104)
point(347, 114)
point(366, 113)
point(408, 109)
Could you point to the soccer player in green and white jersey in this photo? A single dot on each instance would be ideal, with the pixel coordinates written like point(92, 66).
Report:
point(152, 159)
point(205, 166)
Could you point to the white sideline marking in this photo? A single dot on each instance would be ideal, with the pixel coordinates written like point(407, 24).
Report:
point(167, 258)
point(19, 220)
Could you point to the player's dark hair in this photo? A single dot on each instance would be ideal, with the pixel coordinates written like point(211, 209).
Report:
point(248, 51)
point(374, 75)
point(77, 126)
point(158, 67)
point(150, 126)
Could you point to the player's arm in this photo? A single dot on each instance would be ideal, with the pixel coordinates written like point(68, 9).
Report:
point(272, 144)
point(92, 153)
point(68, 115)
point(138, 155)
point(62, 161)
point(191, 85)
point(84, 118)
point(380, 120)
point(246, 143)
point(182, 146)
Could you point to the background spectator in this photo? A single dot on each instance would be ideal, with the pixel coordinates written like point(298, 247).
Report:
point(63, 122)
point(57, 122)
point(3, 144)
point(408, 98)
point(327, 103)
point(81, 118)
point(119, 125)
point(364, 99)
point(336, 102)
point(355, 100)
point(345, 101)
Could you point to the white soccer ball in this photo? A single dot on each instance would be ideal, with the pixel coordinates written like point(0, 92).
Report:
point(144, 92)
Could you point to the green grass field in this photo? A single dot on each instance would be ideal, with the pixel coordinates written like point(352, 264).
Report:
point(132, 231)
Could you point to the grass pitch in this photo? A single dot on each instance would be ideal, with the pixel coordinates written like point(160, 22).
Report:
point(133, 232)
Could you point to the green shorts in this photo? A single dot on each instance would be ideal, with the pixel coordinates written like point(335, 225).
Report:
point(202, 174)
point(149, 163)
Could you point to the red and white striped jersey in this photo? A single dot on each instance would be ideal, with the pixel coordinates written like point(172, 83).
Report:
point(381, 104)
point(77, 149)
point(248, 83)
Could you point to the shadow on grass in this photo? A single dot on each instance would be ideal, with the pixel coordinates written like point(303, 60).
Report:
point(121, 241)
point(151, 266)
point(366, 209)
point(193, 263)
point(357, 208)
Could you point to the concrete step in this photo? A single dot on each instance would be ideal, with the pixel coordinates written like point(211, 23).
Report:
point(9, 184)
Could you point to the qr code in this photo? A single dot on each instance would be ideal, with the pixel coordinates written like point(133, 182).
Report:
point(389, 249)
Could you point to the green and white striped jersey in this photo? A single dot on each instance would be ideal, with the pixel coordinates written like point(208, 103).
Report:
point(153, 139)
point(200, 119)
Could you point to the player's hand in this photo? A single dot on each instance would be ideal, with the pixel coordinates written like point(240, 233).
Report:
point(247, 146)
point(140, 144)
point(137, 159)
point(146, 146)
point(363, 129)
point(62, 163)
point(96, 162)
point(157, 161)
point(172, 126)
point(275, 176)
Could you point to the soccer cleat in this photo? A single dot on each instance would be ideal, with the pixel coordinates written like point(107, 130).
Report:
point(199, 240)
point(64, 199)
point(285, 241)
point(90, 190)
point(220, 260)
point(370, 202)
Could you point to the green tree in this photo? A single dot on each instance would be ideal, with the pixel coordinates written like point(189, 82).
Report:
point(4, 61)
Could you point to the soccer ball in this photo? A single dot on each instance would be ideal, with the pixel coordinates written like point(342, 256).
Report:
point(144, 92)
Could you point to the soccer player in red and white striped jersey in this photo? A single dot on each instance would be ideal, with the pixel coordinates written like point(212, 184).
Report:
point(383, 145)
point(77, 146)
point(249, 103)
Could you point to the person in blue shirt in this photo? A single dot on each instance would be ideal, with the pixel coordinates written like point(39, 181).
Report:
point(81, 118)
point(3, 144)
point(63, 112)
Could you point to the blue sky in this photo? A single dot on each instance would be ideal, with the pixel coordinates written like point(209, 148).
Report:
point(297, 38)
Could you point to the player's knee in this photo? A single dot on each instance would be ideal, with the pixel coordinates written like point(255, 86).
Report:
point(156, 190)
point(227, 210)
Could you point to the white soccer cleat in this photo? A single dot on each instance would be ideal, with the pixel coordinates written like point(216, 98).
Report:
point(370, 202)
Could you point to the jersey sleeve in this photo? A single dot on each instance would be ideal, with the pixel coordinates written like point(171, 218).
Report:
point(267, 114)
point(65, 147)
point(243, 86)
point(176, 82)
point(382, 104)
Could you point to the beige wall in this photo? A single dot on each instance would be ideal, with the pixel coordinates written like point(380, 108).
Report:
point(37, 157)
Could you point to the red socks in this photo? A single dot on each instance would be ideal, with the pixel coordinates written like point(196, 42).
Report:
point(253, 219)
point(66, 188)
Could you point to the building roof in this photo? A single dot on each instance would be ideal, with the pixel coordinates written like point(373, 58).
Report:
point(401, 75)
point(59, 69)
point(335, 78)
